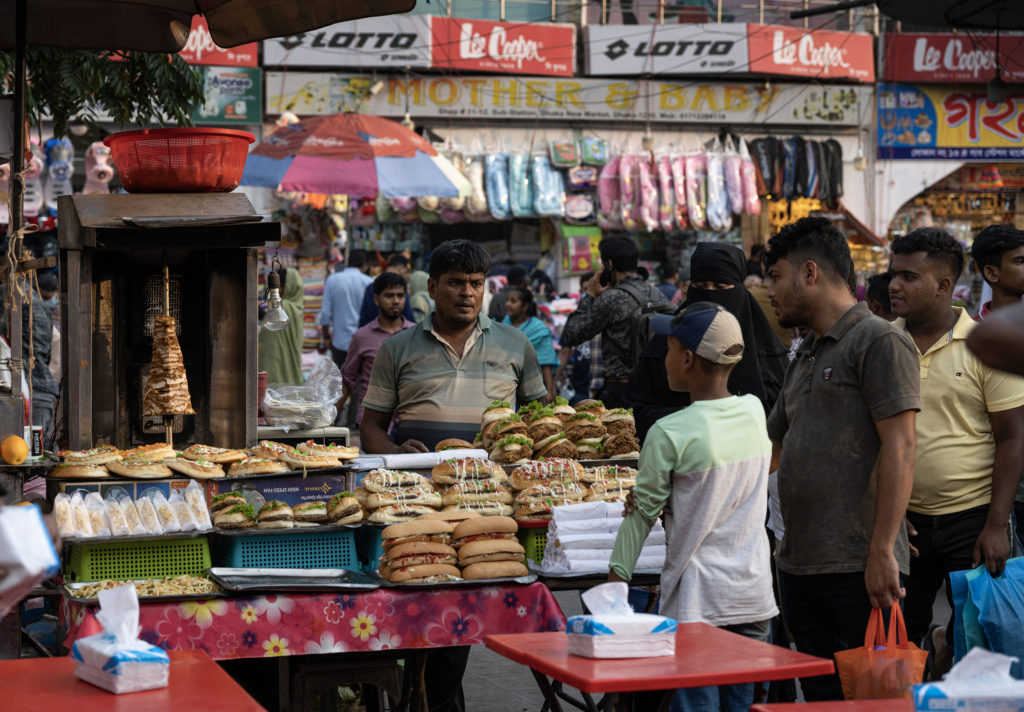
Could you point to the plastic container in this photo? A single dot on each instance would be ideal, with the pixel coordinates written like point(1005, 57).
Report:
point(315, 550)
point(369, 548)
point(98, 561)
point(534, 540)
point(179, 160)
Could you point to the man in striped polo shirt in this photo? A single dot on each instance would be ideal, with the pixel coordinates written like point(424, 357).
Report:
point(440, 375)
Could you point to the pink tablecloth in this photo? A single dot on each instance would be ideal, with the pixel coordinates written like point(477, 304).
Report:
point(304, 623)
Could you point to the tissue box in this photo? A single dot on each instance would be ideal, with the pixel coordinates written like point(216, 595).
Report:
point(639, 635)
point(99, 660)
point(983, 698)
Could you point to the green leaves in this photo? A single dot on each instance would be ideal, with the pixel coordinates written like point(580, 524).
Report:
point(137, 88)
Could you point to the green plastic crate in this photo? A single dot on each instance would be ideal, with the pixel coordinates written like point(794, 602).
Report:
point(99, 561)
point(534, 540)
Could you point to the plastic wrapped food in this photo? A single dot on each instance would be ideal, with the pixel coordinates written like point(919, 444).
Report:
point(97, 514)
point(147, 514)
point(679, 214)
point(628, 190)
point(196, 499)
point(80, 514)
point(666, 194)
point(63, 516)
point(115, 513)
point(476, 205)
point(496, 172)
point(647, 201)
point(609, 196)
point(520, 185)
point(549, 188)
point(696, 189)
point(183, 512)
point(131, 516)
point(748, 174)
point(458, 202)
point(165, 513)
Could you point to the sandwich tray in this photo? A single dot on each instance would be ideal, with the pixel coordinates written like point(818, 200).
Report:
point(67, 588)
point(254, 531)
point(245, 580)
point(334, 470)
point(521, 580)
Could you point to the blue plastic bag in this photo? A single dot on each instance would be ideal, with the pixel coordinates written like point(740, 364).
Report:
point(967, 631)
point(989, 612)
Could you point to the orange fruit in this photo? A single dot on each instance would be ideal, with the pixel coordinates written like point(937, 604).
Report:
point(14, 450)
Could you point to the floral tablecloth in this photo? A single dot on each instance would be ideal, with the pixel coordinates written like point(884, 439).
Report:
point(305, 623)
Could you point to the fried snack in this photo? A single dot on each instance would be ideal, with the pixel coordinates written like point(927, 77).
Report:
point(96, 456)
point(166, 390)
point(216, 455)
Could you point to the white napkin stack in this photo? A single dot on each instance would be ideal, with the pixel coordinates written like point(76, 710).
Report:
point(581, 538)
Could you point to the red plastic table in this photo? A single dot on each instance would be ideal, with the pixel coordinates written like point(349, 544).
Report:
point(705, 655)
point(900, 705)
point(196, 683)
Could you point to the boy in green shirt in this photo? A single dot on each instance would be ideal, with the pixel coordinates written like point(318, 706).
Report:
point(706, 466)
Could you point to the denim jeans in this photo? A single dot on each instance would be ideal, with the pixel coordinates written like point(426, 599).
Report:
point(724, 698)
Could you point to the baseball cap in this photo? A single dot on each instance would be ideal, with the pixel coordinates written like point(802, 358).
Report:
point(707, 329)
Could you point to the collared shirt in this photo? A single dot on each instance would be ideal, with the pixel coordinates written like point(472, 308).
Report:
point(362, 351)
point(343, 298)
point(610, 315)
point(439, 395)
point(862, 371)
point(955, 445)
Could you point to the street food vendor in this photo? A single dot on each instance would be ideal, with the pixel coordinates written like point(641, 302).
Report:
point(441, 374)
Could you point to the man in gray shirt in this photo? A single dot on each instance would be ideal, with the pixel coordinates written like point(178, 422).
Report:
point(843, 430)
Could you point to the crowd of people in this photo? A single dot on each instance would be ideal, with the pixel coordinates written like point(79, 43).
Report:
point(881, 448)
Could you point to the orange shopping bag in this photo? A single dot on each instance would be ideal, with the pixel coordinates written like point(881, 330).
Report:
point(886, 666)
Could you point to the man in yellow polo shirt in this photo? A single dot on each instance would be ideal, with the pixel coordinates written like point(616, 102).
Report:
point(970, 432)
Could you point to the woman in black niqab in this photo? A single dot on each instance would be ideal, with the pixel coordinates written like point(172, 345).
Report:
point(717, 271)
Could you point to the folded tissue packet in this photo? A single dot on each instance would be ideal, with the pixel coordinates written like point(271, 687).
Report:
point(615, 631)
point(981, 681)
point(116, 659)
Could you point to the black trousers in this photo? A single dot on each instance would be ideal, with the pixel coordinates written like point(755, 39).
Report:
point(945, 543)
point(338, 356)
point(825, 613)
point(613, 394)
point(444, 671)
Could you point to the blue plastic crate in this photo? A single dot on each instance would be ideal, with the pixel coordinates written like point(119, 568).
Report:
point(312, 550)
point(369, 548)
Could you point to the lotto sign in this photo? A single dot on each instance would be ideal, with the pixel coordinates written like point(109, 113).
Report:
point(811, 53)
point(509, 48)
point(680, 49)
point(391, 41)
point(948, 123)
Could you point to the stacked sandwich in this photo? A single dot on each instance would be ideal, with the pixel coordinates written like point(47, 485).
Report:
point(271, 457)
point(86, 464)
point(393, 496)
point(544, 484)
point(620, 440)
point(487, 548)
point(203, 462)
point(608, 483)
point(586, 431)
point(231, 511)
point(548, 435)
point(473, 484)
point(504, 434)
point(418, 551)
point(342, 508)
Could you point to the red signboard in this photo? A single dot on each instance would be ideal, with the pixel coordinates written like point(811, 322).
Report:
point(946, 58)
point(479, 45)
point(795, 52)
point(200, 49)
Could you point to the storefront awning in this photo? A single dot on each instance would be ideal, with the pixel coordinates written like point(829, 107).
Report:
point(855, 231)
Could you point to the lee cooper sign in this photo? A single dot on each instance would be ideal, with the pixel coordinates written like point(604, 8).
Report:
point(952, 58)
point(673, 49)
point(201, 49)
point(479, 45)
point(390, 41)
point(811, 53)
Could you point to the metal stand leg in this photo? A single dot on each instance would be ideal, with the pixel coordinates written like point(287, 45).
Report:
point(550, 698)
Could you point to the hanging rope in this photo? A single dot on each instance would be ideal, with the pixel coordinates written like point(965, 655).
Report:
point(14, 289)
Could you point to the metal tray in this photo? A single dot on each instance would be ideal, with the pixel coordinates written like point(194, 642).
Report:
point(67, 588)
point(523, 580)
point(194, 534)
point(245, 580)
point(318, 529)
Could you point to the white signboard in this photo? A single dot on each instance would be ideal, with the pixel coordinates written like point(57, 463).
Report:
point(630, 50)
point(557, 99)
point(390, 41)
